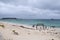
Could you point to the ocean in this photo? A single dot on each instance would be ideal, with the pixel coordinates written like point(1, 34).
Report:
point(47, 22)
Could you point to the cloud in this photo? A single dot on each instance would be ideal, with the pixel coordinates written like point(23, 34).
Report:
point(30, 8)
point(8, 8)
point(42, 4)
point(46, 4)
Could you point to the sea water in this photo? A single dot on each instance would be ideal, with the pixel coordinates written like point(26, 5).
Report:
point(47, 22)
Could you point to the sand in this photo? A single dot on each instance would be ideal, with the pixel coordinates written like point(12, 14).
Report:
point(20, 33)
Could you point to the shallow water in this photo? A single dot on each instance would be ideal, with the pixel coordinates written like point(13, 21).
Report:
point(47, 22)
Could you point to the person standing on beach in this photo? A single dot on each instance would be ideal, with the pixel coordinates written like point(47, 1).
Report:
point(33, 26)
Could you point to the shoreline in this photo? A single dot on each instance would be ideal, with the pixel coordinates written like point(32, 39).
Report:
point(27, 26)
point(48, 25)
point(16, 24)
point(13, 23)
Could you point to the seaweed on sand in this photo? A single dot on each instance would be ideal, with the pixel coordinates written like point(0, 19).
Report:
point(16, 33)
point(2, 26)
point(22, 26)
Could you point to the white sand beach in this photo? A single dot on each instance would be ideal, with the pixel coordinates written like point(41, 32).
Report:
point(12, 31)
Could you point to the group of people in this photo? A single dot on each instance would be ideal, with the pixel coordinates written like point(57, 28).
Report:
point(42, 27)
point(39, 27)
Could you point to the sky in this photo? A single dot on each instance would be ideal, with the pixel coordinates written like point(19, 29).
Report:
point(30, 9)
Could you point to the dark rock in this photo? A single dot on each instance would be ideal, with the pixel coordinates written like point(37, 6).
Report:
point(52, 39)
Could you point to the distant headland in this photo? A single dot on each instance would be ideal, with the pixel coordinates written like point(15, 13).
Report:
point(8, 18)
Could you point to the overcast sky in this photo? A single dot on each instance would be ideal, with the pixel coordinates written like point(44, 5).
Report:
point(30, 9)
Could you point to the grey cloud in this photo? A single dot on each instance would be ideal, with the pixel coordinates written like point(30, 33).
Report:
point(30, 8)
point(15, 2)
point(41, 4)
point(47, 4)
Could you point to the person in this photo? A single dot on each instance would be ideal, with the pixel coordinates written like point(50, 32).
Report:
point(33, 26)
